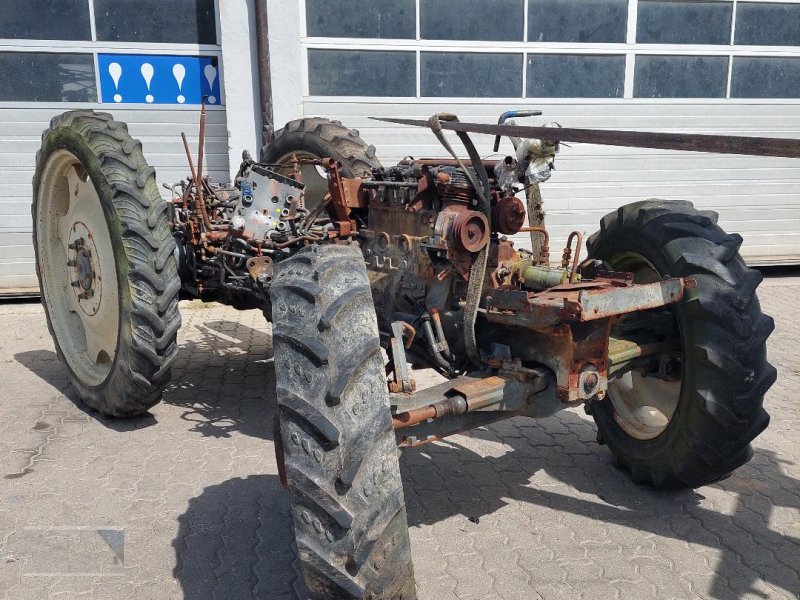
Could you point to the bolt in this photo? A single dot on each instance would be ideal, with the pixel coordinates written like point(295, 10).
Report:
point(76, 284)
point(86, 295)
point(590, 382)
point(76, 244)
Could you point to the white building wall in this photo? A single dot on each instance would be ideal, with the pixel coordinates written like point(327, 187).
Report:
point(286, 61)
point(240, 76)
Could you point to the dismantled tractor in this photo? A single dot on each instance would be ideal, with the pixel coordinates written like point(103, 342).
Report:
point(657, 332)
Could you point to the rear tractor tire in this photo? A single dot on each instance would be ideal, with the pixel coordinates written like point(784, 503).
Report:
point(334, 437)
point(694, 427)
point(318, 138)
point(105, 261)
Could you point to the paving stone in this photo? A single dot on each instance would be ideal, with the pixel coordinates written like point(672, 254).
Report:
point(521, 509)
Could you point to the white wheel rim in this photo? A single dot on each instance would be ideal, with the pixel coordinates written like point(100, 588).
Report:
point(314, 178)
point(643, 406)
point(78, 271)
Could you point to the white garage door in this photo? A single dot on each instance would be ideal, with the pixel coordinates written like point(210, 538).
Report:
point(148, 62)
point(722, 66)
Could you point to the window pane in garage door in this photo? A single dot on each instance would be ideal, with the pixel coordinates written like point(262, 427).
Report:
point(577, 20)
point(361, 73)
point(767, 24)
point(41, 77)
point(176, 21)
point(490, 75)
point(361, 18)
point(475, 20)
point(684, 22)
point(680, 76)
point(765, 77)
point(575, 76)
point(40, 20)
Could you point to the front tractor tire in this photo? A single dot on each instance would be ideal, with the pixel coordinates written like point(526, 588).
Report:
point(334, 436)
point(105, 261)
point(697, 428)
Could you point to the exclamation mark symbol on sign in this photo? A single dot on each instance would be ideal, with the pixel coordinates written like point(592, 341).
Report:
point(147, 73)
point(115, 70)
point(210, 71)
point(179, 72)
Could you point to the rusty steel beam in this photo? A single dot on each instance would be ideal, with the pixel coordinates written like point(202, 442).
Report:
point(583, 301)
point(690, 142)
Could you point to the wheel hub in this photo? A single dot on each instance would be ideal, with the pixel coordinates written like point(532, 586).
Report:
point(644, 403)
point(84, 268)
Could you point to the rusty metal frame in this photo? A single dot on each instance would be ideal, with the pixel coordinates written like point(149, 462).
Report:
point(569, 331)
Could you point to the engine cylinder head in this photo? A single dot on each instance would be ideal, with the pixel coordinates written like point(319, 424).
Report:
point(454, 186)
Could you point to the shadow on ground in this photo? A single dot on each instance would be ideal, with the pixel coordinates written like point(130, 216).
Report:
point(45, 364)
point(223, 381)
point(237, 535)
point(235, 541)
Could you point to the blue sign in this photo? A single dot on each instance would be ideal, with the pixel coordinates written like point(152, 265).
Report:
point(158, 79)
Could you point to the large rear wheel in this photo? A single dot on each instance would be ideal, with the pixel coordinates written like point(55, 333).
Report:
point(335, 437)
point(686, 417)
point(316, 138)
point(105, 261)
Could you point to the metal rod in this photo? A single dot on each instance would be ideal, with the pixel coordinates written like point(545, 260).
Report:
point(449, 405)
point(198, 184)
point(189, 157)
point(199, 204)
point(621, 351)
point(389, 184)
point(413, 417)
point(691, 142)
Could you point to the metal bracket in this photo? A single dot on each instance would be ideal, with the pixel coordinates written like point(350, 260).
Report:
point(402, 378)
